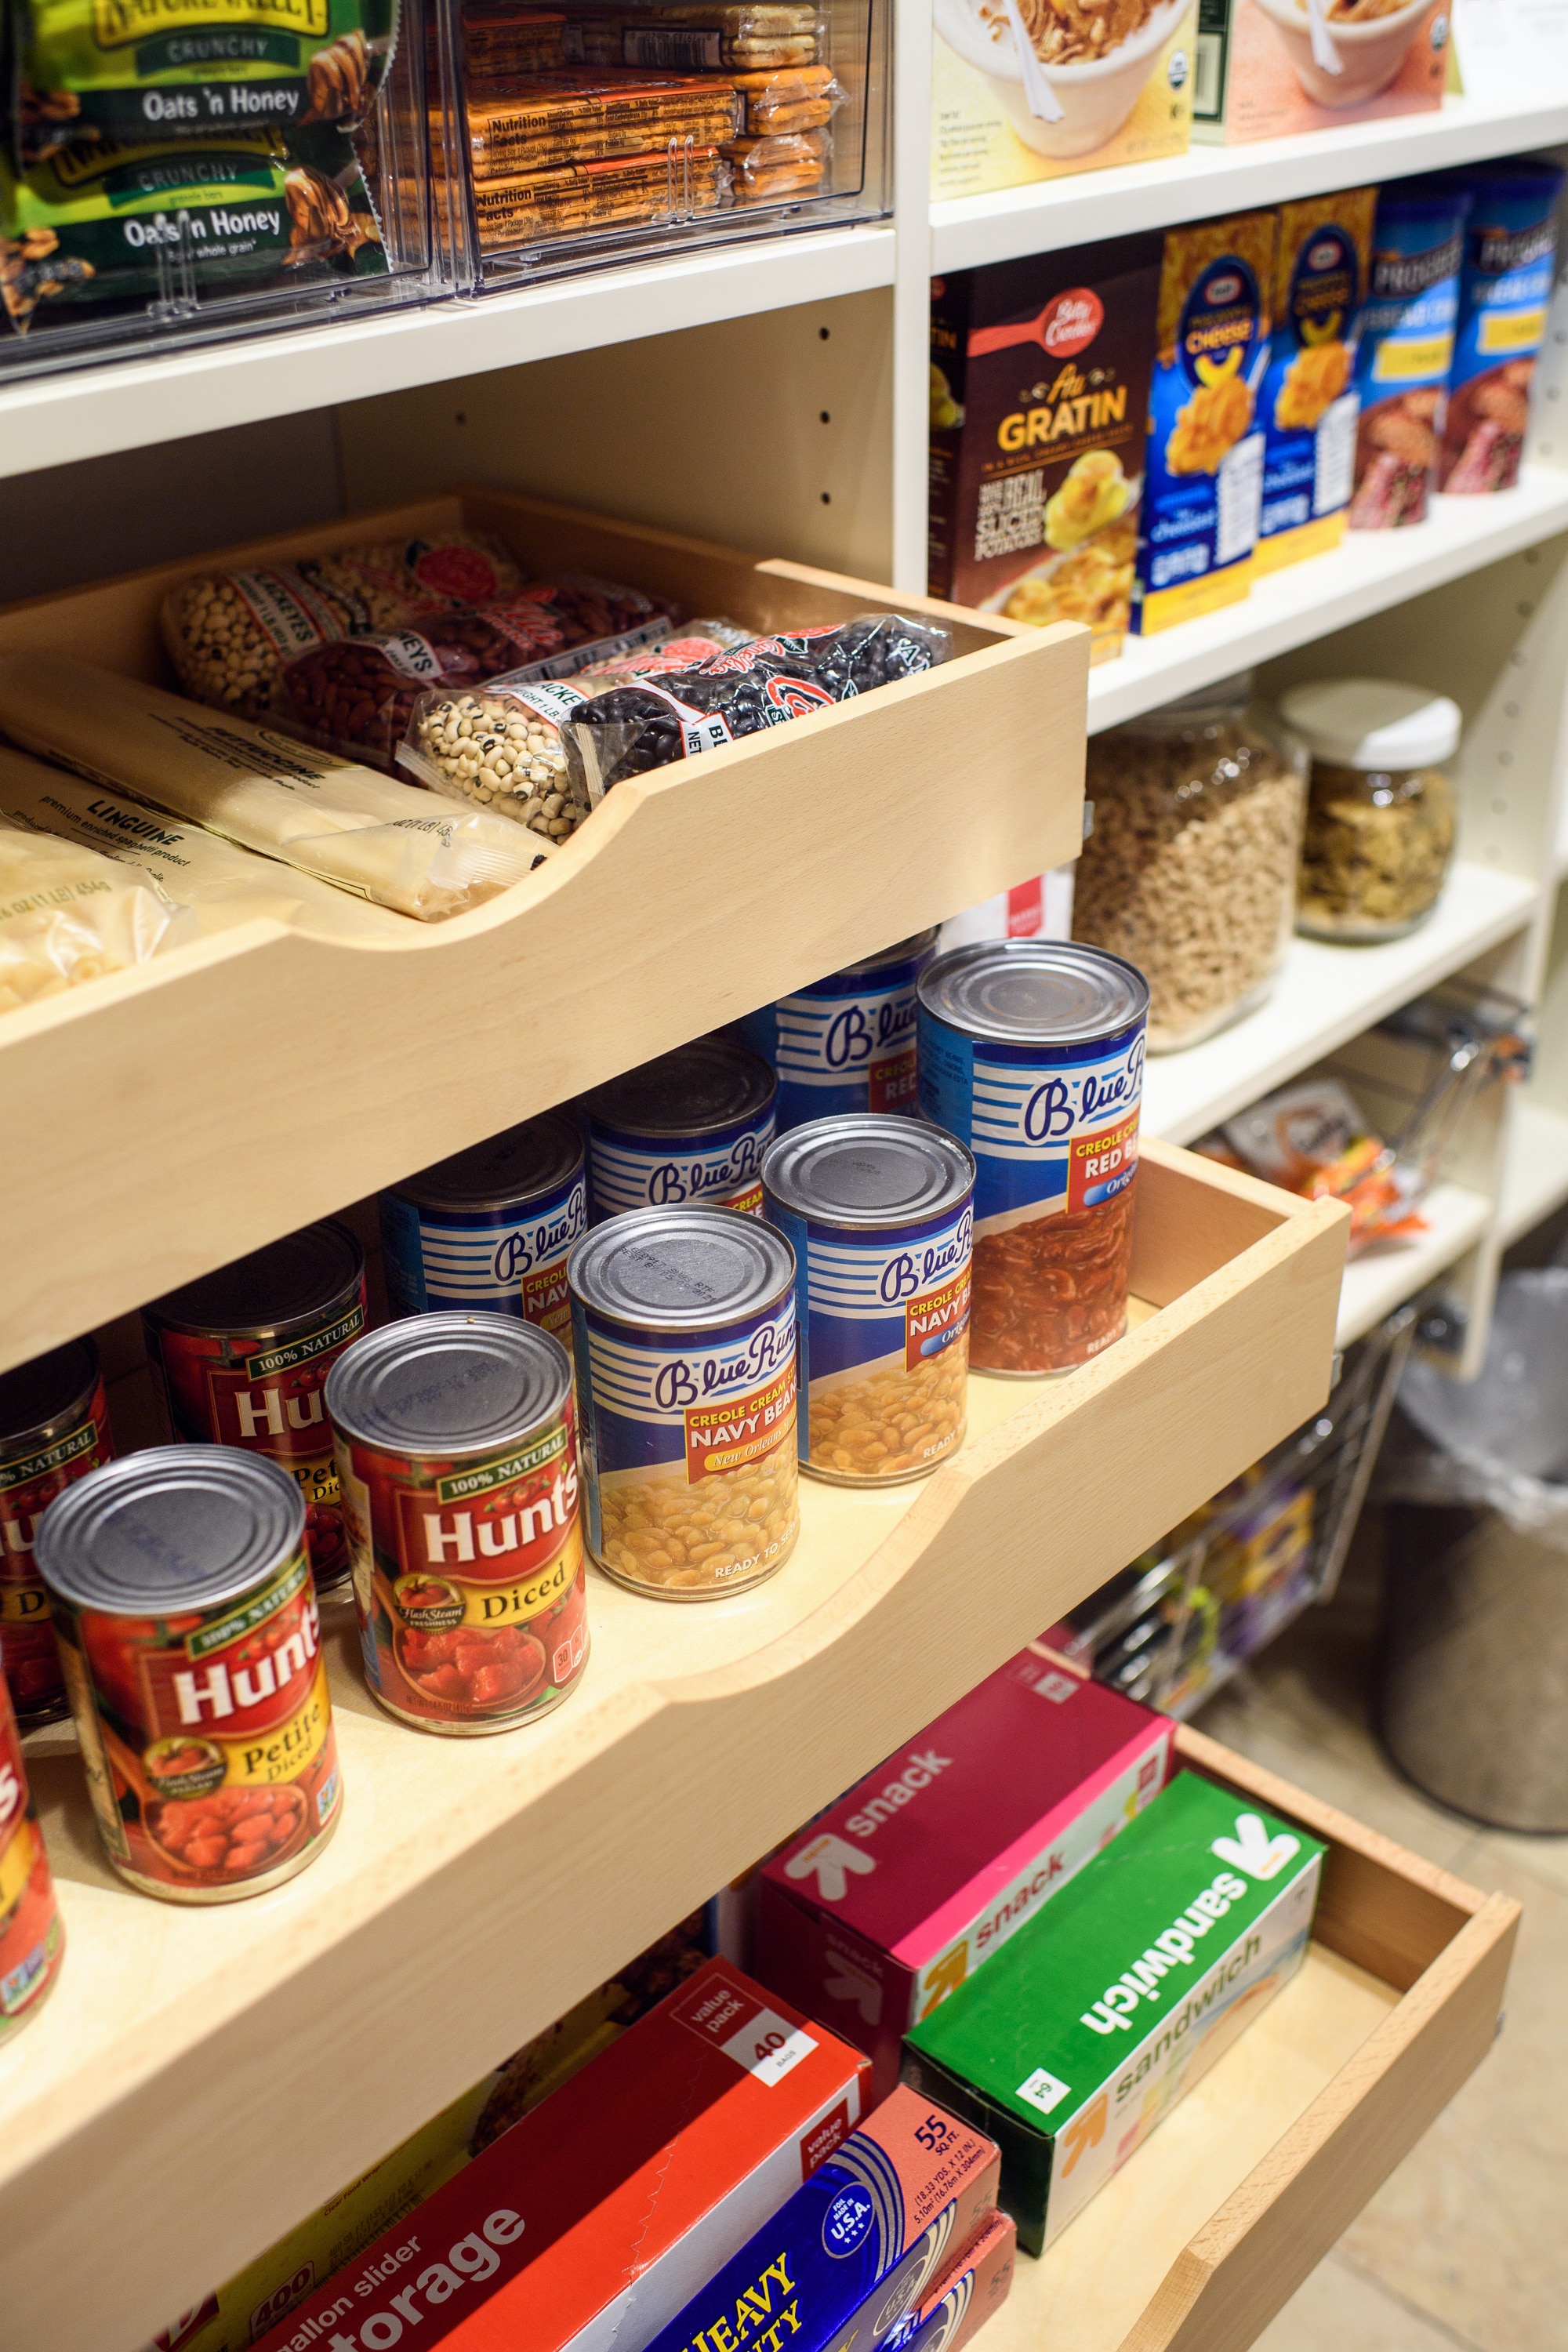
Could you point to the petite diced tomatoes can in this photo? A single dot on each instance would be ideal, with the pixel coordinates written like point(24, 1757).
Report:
point(188, 1633)
point(457, 1463)
point(53, 1429)
point(32, 1940)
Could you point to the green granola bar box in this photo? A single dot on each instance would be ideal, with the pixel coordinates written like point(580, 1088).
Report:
point(1075, 2039)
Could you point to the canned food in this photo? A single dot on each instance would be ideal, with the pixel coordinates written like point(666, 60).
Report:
point(691, 1126)
point(53, 1429)
point(848, 1043)
point(31, 1936)
point(491, 1227)
point(244, 1355)
point(460, 1478)
point(878, 1212)
point(1032, 1050)
point(186, 1615)
point(683, 1323)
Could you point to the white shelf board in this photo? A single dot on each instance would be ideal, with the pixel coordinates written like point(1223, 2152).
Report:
point(1324, 995)
point(54, 418)
point(1382, 1278)
point(1084, 206)
point(1370, 572)
point(1535, 1170)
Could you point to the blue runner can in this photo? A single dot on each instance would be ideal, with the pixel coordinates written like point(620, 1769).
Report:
point(491, 1227)
point(847, 1042)
point(1032, 1051)
point(878, 1211)
point(683, 1327)
point(691, 1126)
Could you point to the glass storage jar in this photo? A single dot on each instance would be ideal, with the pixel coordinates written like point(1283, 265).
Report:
point(1379, 810)
point(1189, 870)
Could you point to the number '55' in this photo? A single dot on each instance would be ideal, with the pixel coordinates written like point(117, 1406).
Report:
point(933, 2132)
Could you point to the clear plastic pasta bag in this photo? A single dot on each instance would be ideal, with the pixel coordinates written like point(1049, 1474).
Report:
point(67, 915)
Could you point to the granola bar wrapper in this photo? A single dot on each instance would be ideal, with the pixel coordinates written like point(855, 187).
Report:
point(783, 99)
point(750, 37)
point(768, 170)
point(525, 125)
point(620, 191)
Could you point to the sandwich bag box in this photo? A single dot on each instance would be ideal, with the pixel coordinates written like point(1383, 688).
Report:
point(1039, 384)
point(894, 1897)
point(594, 2219)
point(1071, 2047)
point(1264, 69)
point(1309, 402)
point(848, 2258)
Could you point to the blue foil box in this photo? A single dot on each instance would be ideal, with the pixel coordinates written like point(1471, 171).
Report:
point(852, 2253)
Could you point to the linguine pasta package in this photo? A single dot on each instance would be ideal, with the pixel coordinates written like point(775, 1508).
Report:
point(1309, 404)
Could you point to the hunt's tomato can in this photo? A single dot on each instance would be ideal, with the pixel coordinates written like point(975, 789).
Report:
point(457, 1461)
point(244, 1355)
point(31, 1936)
point(53, 1429)
point(186, 1617)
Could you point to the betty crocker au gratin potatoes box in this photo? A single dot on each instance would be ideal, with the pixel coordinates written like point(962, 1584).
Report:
point(896, 1894)
point(595, 2219)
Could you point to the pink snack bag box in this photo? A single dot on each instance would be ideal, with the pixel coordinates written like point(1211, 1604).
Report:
point(887, 1902)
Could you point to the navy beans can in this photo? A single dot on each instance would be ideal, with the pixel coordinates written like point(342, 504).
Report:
point(1032, 1051)
point(847, 1042)
point(878, 1211)
point(691, 1126)
point(683, 1325)
point(491, 1227)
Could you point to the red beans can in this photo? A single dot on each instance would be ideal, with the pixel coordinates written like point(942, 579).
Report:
point(32, 1940)
point(186, 1617)
point(53, 1429)
point(244, 1354)
point(457, 1459)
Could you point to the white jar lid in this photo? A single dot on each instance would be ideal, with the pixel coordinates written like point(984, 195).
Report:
point(1374, 722)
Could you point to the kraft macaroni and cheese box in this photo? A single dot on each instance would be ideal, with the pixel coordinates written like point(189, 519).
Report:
point(1264, 70)
point(1309, 402)
point(1069, 2048)
point(1505, 290)
point(898, 1893)
point(1202, 480)
point(591, 2221)
point(851, 2254)
point(967, 2295)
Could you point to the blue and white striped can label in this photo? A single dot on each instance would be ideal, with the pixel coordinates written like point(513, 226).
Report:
point(723, 1170)
point(506, 1260)
point(846, 1043)
point(1052, 1128)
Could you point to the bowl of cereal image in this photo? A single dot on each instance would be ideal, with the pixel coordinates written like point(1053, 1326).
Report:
point(1095, 62)
point(1368, 41)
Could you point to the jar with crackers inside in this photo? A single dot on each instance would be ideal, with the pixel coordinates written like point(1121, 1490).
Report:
point(1380, 807)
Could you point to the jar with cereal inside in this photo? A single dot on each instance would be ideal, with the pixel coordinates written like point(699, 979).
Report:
point(683, 1323)
point(1380, 808)
point(1189, 870)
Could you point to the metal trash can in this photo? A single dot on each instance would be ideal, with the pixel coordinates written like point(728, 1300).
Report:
point(1472, 1690)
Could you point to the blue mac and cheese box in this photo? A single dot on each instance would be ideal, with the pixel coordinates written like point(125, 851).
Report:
point(1309, 402)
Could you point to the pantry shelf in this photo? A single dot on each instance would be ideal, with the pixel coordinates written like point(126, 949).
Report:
point(1535, 1170)
point(1369, 573)
point(476, 1889)
point(1212, 2225)
point(261, 1078)
point(1083, 207)
point(52, 419)
point(1326, 994)
point(1382, 1278)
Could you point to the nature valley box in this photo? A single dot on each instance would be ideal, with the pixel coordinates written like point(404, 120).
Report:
point(1072, 2044)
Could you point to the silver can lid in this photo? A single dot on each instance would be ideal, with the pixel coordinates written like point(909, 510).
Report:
point(903, 952)
point(681, 1269)
point(44, 1397)
point(868, 1169)
point(297, 1281)
point(1033, 991)
point(505, 1171)
point(176, 1527)
point(711, 1083)
point(451, 1385)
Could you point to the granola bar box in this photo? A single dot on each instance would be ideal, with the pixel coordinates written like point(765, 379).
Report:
point(896, 1894)
point(1203, 477)
point(1310, 402)
point(1105, 81)
point(1107, 2007)
point(1269, 67)
point(601, 2213)
point(1039, 393)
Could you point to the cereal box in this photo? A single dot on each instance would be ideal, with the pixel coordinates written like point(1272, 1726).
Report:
point(1085, 2031)
point(1309, 402)
point(1039, 384)
point(1202, 476)
point(1266, 67)
point(1106, 83)
point(900, 1892)
point(595, 2218)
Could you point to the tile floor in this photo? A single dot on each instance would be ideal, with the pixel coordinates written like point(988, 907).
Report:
point(1466, 2247)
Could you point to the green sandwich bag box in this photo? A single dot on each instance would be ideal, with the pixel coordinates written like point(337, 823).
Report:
point(1073, 2041)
